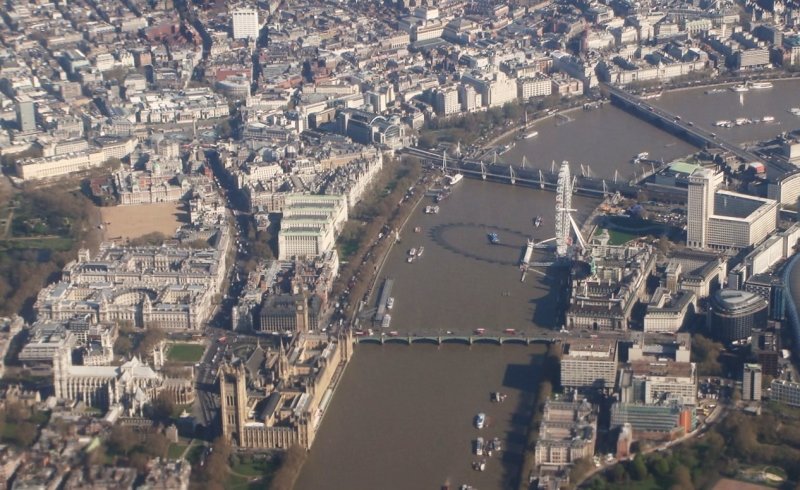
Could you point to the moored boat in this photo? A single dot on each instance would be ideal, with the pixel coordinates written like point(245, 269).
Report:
point(455, 179)
point(479, 446)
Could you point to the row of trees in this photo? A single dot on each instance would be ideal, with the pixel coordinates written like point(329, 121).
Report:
point(380, 209)
point(469, 127)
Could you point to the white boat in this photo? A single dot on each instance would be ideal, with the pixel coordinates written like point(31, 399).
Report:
point(412, 252)
point(722, 123)
point(767, 119)
point(740, 88)
point(742, 121)
point(480, 420)
point(390, 303)
point(479, 446)
point(454, 179)
point(419, 252)
point(532, 134)
point(410, 259)
point(387, 320)
point(431, 209)
point(760, 85)
point(641, 156)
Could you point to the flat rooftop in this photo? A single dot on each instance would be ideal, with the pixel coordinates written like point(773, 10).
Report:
point(647, 367)
point(590, 348)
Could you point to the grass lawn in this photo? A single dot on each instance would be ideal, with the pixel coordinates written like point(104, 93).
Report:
point(59, 244)
point(187, 353)
point(175, 451)
point(236, 482)
point(256, 468)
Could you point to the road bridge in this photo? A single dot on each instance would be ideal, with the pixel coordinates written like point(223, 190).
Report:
point(452, 339)
point(687, 131)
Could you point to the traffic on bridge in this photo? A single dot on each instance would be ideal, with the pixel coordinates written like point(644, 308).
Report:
point(688, 131)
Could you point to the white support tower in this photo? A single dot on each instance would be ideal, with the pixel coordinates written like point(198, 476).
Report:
point(563, 208)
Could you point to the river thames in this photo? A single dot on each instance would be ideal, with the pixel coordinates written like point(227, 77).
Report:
point(402, 415)
point(462, 281)
point(403, 418)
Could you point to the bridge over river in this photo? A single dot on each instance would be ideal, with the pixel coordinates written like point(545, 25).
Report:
point(525, 175)
point(453, 339)
point(687, 130)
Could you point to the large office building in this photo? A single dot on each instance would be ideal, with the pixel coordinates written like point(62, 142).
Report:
point(725, 220)
point(446, 101)
point(654, 422)
point(589, 363)
point(26, 115)
point(150, 287)
point(310, 225)
point(57, 165)
point(659, 372)
point(653, 382)
point(668, 312)
point(245, 23)
point(733, 314)
point(784, 391)
point(567, 433)
point(604, 298)
point(751, 382)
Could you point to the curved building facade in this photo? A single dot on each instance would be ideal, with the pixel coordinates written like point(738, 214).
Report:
point(733, 314)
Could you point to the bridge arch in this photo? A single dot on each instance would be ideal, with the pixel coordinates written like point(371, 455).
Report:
point(456, 340)
point(425, 340)
point(487, 340)
point(397, 340)
point(515, 340)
